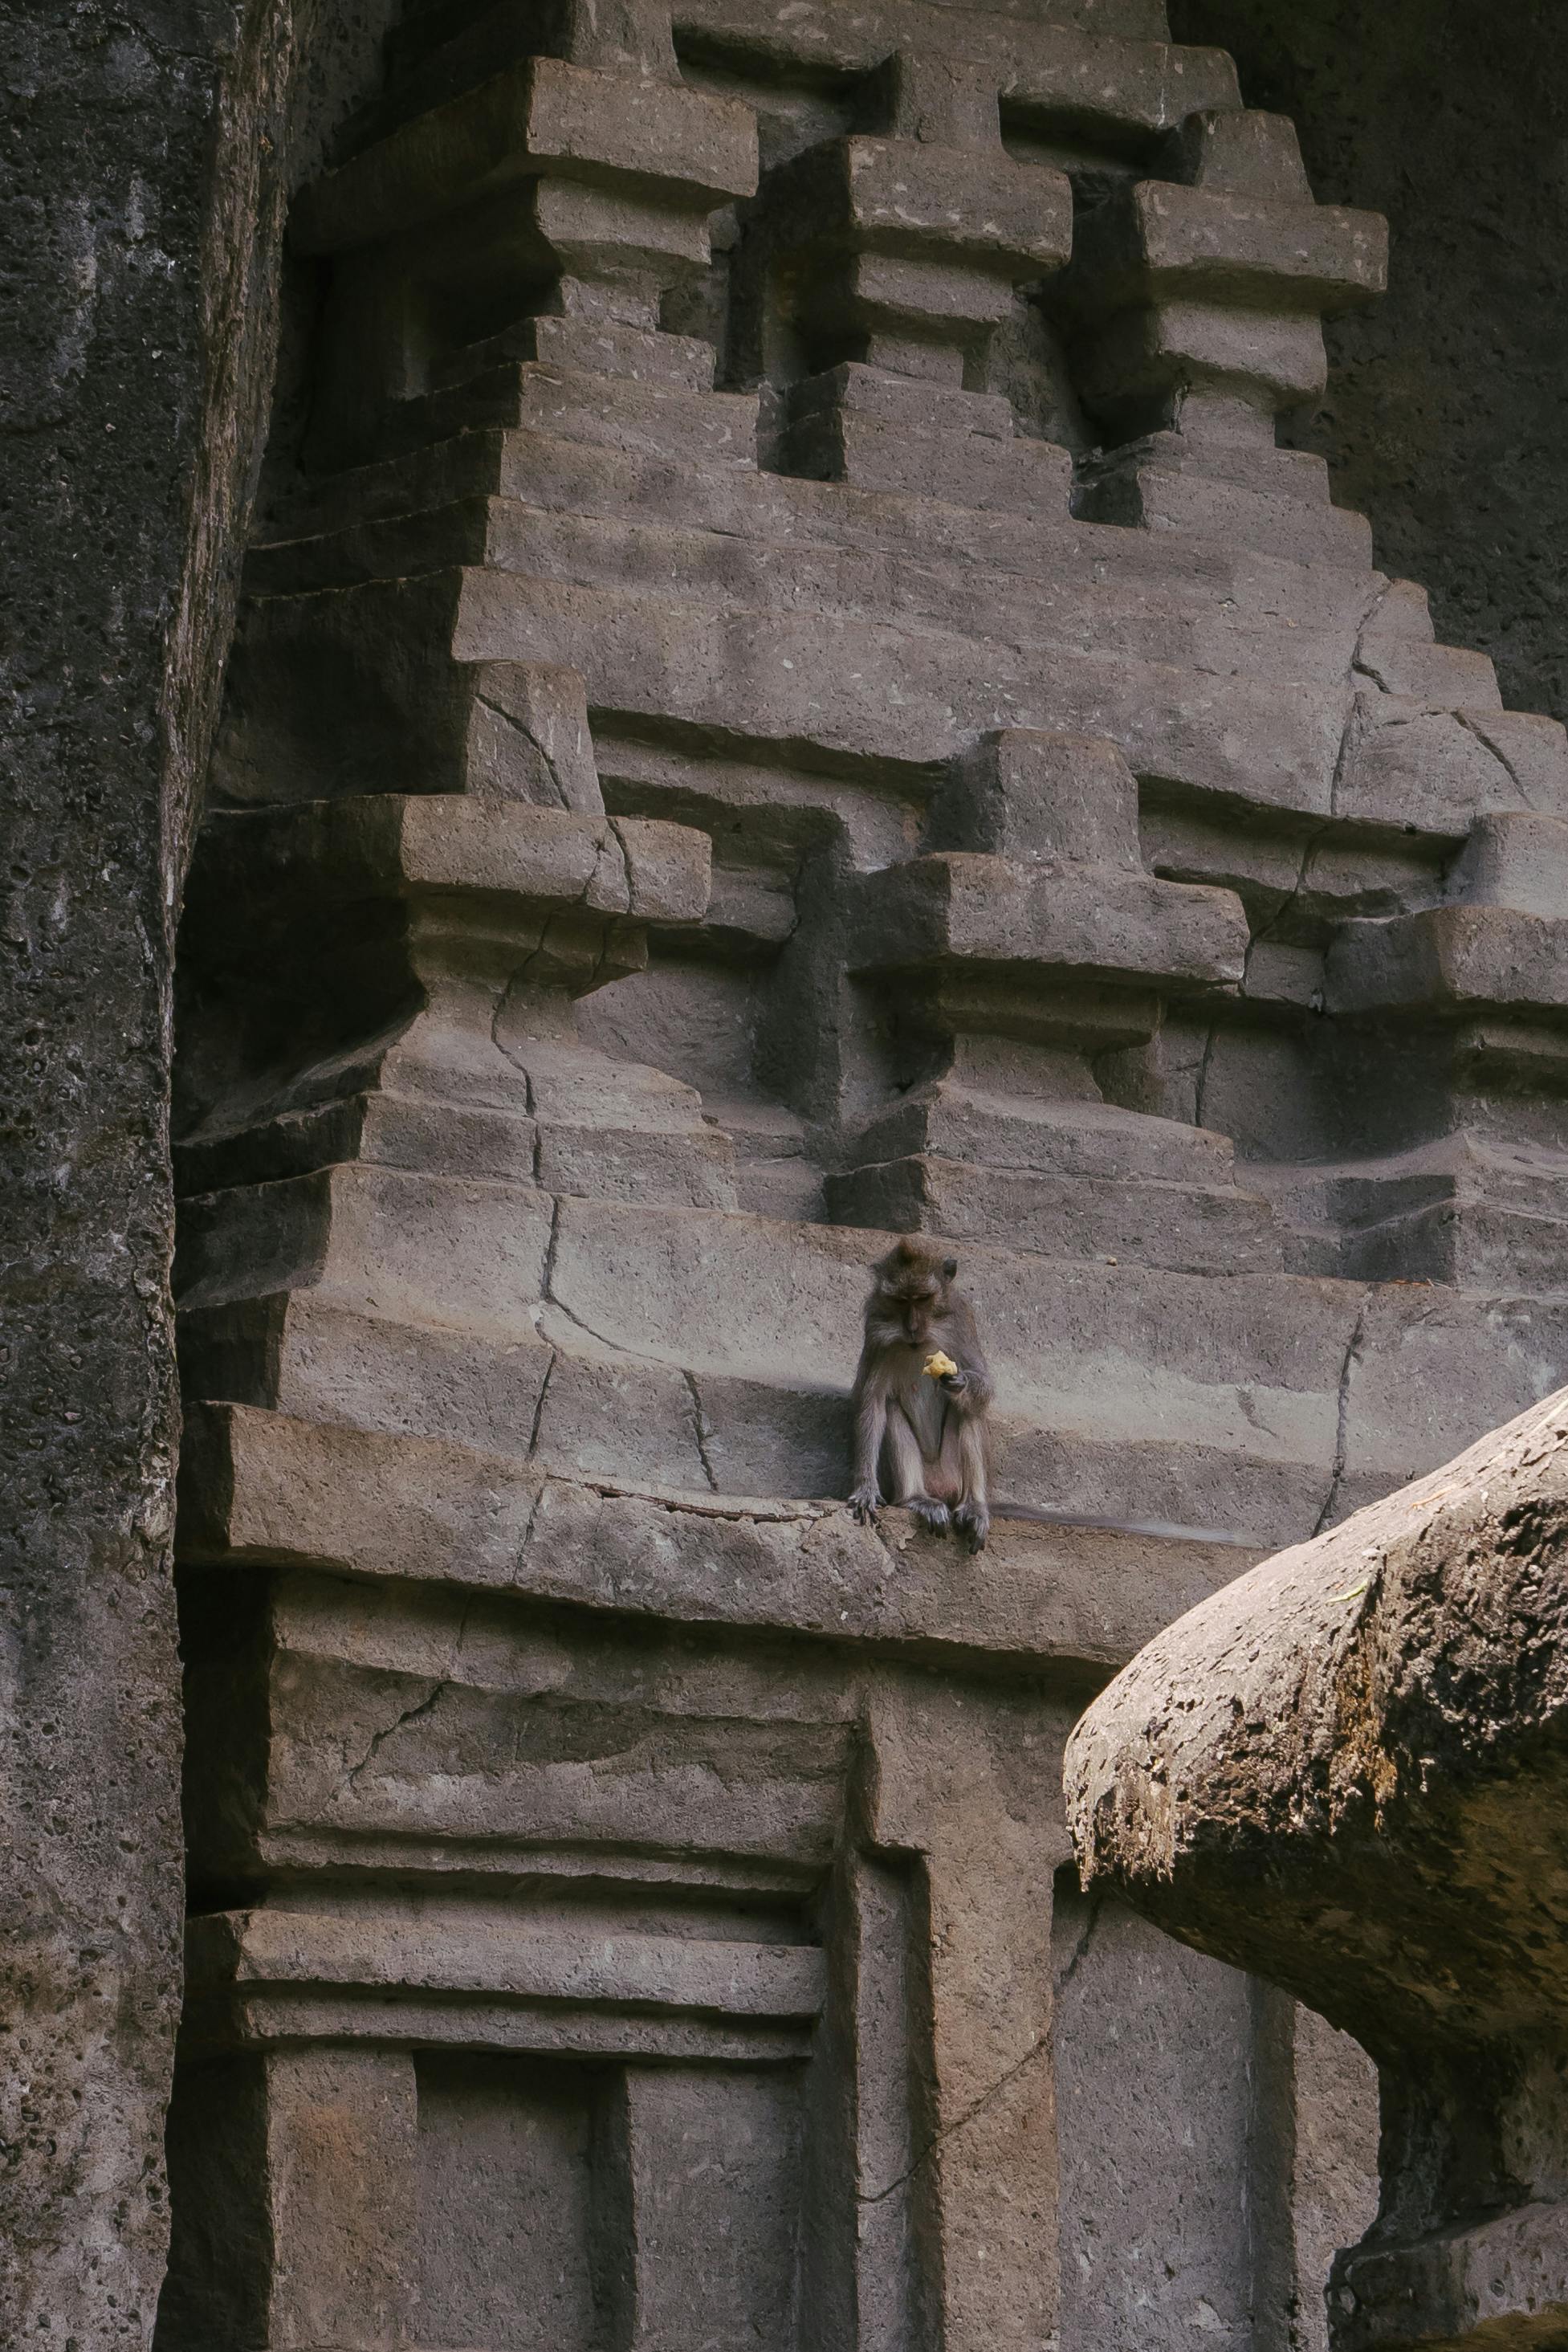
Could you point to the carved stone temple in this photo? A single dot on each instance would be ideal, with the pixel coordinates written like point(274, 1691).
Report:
point(744, 646)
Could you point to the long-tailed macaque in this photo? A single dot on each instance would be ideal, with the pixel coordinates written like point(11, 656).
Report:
point(925, 1430)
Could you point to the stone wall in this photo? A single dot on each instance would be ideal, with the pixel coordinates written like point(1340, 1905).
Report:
point(784, 691)
point(108, 144)
point(1445, 417)
point(147, 162)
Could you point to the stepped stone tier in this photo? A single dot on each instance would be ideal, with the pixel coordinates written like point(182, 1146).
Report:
point(787, 694)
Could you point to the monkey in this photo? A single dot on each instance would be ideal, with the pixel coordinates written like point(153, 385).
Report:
point(928, 1429)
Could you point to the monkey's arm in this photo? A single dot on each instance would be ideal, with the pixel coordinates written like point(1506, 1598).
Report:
point(970, 1390)
point(871, 1427)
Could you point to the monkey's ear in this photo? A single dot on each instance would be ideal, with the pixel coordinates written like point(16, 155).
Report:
point(949, 1267)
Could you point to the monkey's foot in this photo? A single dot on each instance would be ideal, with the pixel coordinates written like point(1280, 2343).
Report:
point(973, 1523)
point(930, 1513)
point(865, 1502)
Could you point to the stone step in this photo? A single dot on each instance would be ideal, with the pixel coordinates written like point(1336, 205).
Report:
point(961, 1122)
point(541, 118)
point(575, 1407)
point(706, 428)
point(888, 696)
point(268, 1488)
point(1155, 497)
point(464, 1256)
point(270, 1949)
point(593, 346)
point(1451, 677)
point(620, 1153)
point(1172, 244)
point(1027, 933)
point(1222, 442)
point(775, 1174)
point(380, 1128)
point(1031, 479)
point(1466, 1210)
point(1409, 764)
point(1185, 1228)
point(1474, 1246)
point(1127, 79)
point(1119, 1385)
point(911, 404)
point(1074, 606)
point(898, 699)
point(580, 480)
point(438, 50)
point(1447, 962)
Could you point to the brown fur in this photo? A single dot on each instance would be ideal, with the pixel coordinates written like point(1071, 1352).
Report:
point(928, 1435)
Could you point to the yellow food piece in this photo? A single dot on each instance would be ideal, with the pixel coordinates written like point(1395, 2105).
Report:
point(939, 1364)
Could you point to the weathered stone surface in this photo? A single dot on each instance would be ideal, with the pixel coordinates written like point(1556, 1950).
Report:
point(144, 209)
point(767, 692)
point(273, 1490)
point(1346, 1772)
point(546, 117)
point(1383, 105)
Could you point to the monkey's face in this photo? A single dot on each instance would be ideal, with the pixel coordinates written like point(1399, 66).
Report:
point(915, 1308)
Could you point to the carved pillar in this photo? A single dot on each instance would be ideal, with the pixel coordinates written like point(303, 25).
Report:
point(883, 264)
point(1453, 1028)
point(1007, 961)
point(528, 226)
point(1198, 301)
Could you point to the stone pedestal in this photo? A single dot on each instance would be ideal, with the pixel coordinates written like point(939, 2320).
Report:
point(1200, 304)
point(1010, 961)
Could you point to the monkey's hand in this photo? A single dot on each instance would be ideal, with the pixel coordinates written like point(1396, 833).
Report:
point(955, 1383)
point(865, 1502)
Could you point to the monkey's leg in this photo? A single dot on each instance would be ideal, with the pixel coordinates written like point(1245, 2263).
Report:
point(973, 1515)
point(870, 1424)
point(908, 1466)
point(945, 1477)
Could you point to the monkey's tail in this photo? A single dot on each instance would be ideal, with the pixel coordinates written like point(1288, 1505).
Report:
point(1166, 1528)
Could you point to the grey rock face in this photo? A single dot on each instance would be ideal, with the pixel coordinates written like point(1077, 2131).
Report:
point(1346, 1772)
point(706, 783)
point(784, 691)
point(1384, 104)
point(129, 370)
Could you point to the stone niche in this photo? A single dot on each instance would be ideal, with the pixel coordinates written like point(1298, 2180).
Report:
point(786, 692)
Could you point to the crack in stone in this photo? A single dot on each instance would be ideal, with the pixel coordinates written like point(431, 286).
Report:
point(1351, 732)
point(528, 736)
point(1261, 937)
point(1472, 725)
point(410, 1715)
point(960, 2123)
point(700, 1430)
point(546, 1279)
point(1201, 1089)
point(540, 1406)
point(1352, 1358)
point(1095, 1912)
